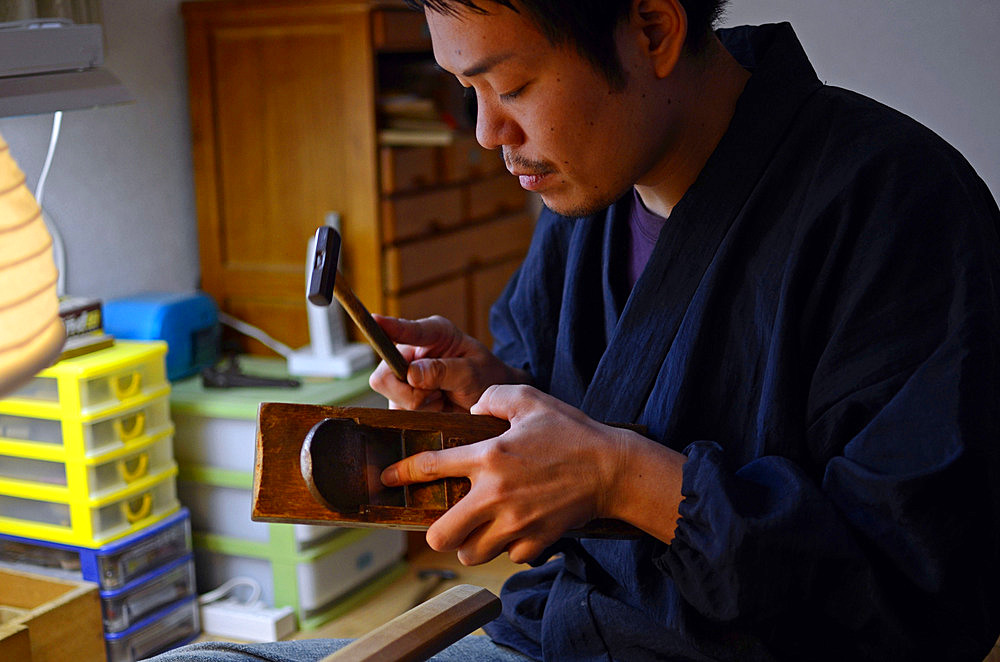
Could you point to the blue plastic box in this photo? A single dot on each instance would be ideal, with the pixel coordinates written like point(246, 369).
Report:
point(188, 321)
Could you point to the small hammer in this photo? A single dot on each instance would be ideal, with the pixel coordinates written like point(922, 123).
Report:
point(325, 280)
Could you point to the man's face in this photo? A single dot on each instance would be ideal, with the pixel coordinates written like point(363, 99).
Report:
point(564, 132)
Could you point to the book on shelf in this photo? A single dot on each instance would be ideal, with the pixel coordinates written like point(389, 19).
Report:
point(415, 138)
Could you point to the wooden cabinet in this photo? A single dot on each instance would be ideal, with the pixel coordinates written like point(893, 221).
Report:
point(283, 97)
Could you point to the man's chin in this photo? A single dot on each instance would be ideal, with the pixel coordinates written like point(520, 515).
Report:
point(578, 208)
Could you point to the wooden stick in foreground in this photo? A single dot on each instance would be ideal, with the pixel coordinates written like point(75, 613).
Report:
point(426, 629)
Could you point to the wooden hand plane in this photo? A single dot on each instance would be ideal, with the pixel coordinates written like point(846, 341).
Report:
point(321, 465)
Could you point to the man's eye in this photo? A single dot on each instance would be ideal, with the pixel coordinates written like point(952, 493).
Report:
point(513, 94)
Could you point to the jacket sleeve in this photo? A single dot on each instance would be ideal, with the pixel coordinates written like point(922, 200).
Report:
point(891, 549)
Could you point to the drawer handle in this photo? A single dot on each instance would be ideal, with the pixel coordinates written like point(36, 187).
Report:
point(137, 427)
point(134, 381)
point(134, 515)
point(141, 466)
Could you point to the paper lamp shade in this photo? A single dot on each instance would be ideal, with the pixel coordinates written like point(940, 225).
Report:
point(31, 331)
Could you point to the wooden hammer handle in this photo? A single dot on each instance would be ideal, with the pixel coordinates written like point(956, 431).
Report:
point(369, 327)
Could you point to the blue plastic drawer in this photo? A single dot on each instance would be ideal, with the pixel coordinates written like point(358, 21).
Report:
point(116, 565)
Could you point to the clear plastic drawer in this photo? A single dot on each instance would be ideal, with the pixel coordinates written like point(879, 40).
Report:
point(80, 385)
point(125, 608)
point(82, 523)
point(176, 627)
point(90, 480)
point(75, 438)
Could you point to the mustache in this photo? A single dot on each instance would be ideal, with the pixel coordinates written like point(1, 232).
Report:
point(522, 164)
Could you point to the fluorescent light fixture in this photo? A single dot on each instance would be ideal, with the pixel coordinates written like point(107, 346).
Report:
point(49, 65)
point(64, 90)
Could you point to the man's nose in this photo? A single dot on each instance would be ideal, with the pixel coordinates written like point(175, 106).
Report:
point(495, 128)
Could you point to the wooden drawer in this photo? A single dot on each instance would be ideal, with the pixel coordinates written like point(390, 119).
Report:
point(486, 286)
point(407, 168)
point(449, 254)
point(465, 159)
point(448, 299)
point(499, 194)
point(412, 215)
point(394, 30)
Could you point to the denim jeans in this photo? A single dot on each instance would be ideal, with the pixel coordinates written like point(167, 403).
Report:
point(474, 648)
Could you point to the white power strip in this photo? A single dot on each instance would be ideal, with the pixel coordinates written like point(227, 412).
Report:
point(256, 622)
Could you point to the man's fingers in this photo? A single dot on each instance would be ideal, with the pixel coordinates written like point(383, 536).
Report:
point(505, 401)
point(427, 466)
point(426, 332)
point(452, 530)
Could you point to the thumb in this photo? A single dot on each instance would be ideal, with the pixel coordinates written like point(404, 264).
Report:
point(506, 401)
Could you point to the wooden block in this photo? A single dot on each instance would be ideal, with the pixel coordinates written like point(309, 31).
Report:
point(426, 629)
point(62, 618)
point(319, 464)
point(15, 644)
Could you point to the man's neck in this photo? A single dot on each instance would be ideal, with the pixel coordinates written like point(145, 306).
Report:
point(711, 84)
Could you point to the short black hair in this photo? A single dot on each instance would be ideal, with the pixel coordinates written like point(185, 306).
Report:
point(587, 25)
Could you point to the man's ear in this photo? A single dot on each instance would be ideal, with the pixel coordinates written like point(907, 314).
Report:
point(663, 24)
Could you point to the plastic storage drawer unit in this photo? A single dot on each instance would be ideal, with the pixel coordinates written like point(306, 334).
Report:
point(127, 606)
point(75, 438)
point(174, 626)
point(321, 583)
point(87, 383)
point(91, 479)
point(220, 502)
point(130, 560)
point(91, 522)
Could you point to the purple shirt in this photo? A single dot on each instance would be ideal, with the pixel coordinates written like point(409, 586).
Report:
point(643, 229)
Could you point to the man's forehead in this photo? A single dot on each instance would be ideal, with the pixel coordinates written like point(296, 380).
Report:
point(470, 43)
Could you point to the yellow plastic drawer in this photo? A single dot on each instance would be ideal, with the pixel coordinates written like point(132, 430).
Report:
point(84, 385)
point(76, 439)
point(90, 480)
point(91, 523)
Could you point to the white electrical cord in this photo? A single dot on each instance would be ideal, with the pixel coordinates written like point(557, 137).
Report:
point(227, 588)
point(53, 139)
point(255, 333)
point(58, 248)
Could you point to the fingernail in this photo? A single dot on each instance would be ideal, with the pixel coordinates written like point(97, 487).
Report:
point(416, 374)
point(390, 477)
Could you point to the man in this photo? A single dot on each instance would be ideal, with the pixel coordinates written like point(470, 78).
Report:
point(791, 287)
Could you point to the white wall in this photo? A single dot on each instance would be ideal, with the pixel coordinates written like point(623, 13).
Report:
point(938, 62)
point(121, 188)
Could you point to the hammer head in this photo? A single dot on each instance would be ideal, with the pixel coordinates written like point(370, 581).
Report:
point(326, 252)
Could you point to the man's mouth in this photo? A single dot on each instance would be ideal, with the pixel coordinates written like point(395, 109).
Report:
point(531, 181)
point(531, 174)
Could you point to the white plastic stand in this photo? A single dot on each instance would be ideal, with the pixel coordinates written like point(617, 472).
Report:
point(328, 353)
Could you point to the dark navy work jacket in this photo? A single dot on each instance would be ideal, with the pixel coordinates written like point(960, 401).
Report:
point(818, 329)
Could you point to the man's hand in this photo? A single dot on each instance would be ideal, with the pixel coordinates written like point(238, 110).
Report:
point(554, 470)
point(449, 370)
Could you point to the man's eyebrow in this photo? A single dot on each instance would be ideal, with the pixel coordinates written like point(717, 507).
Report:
point(486, 64)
